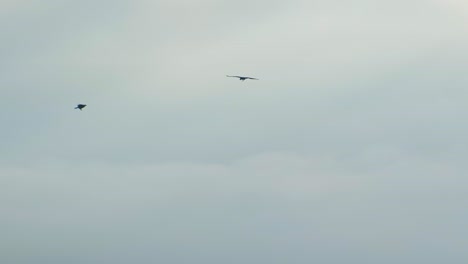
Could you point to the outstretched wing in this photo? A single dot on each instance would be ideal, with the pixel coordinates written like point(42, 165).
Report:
point(234, 76)
point(252, 78)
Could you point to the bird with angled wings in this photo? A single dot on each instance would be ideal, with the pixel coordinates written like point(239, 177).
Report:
point(242, 78)
point(80, 106)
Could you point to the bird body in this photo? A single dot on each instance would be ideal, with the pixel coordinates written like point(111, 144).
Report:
point(80, 106)
point(242, 78)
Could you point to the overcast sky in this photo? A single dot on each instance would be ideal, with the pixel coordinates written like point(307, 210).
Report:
point(351, 148)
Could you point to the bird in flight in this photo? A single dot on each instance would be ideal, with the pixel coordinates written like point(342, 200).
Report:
point(80, 106)
point(242, 78)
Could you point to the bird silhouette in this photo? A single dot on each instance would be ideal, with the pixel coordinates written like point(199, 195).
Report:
point(242, 78)
point(80, 106)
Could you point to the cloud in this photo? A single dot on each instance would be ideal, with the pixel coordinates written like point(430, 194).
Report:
point(350, 148)
point(377, 203)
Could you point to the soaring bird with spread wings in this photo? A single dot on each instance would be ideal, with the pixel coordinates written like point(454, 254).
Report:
point(80, 106)
point(242, 78)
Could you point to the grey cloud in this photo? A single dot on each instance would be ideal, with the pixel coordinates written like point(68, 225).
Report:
point(272, 207)
point(350, 148)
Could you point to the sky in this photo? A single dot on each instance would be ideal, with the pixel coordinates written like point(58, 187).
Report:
point(351, 148)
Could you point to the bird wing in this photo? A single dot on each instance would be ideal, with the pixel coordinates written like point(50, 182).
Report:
point(252, 78)
point(234, 76)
